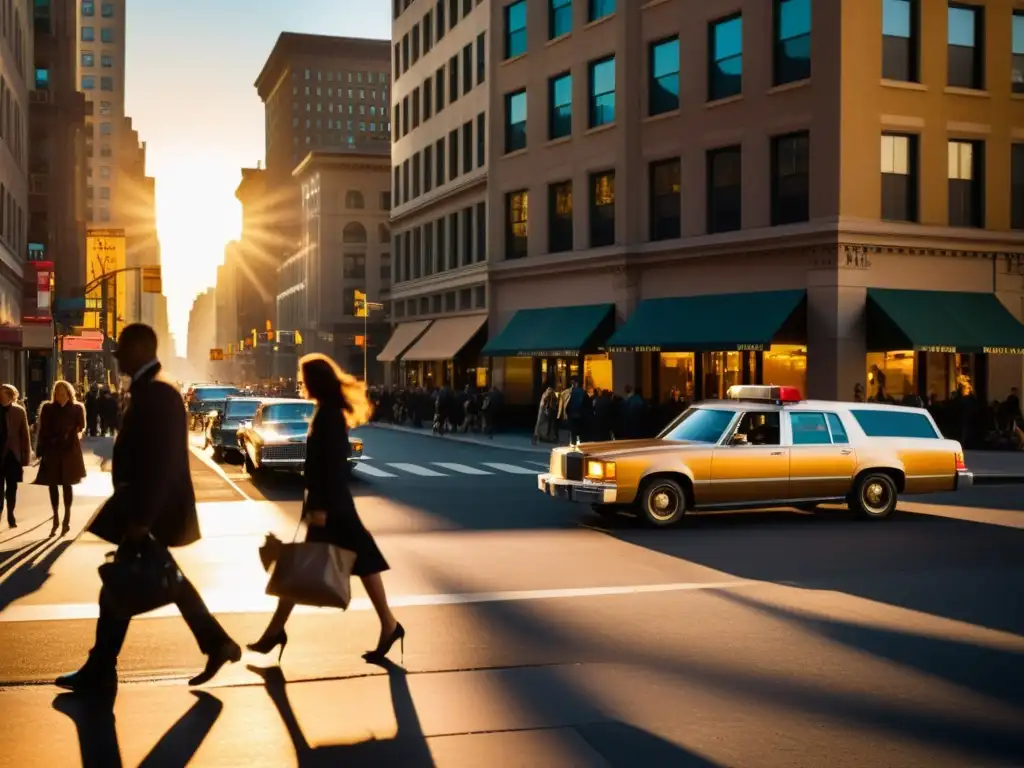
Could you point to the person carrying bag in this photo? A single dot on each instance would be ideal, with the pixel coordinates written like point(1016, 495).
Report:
point(308, 572)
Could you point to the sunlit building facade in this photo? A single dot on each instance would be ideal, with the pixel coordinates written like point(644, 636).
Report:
point(687, 195)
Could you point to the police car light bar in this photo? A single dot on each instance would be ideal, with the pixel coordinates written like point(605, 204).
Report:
point(764, 394)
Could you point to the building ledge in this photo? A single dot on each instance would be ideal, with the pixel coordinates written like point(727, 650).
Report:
point(447, 192)
point(461, 277)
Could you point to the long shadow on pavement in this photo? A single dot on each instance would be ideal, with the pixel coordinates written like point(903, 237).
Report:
point(892, 562)
point(97, 732)
point(983, 740)
point(28, 573)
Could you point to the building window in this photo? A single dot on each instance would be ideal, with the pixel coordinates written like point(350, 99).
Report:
point(481, 140)
point(560, 106)
point(481, 231)
point(467, 69)
point(42, 79)
point(467, 146)
point(439, 90)
point(468, 237)
point(602, 209)
point(88, 34)
point(900, 40)
point(725, 68)
point(559, 18)
point(428, 168)
point(453, 79)
point(439, 176)
point(665, 200)
point(516, 218)
point(453, 155)
point(598, 9)
point(1017, 73)
point(602, 92)
point(966, 49)
point(107, 35)
point(966, 184)
point(108, 10)
point(792, 55)
point(515, 29)
point(88, 59)
point(663, 88)
point(791, 181)
point(481, 58)
point(560, 234)
point(724, 185)
point(106, 61)
point(428, 98)
point(899, 177)
point(453, 239)
point(1017, 186)
point(515, 121)
point(106, 83)
point(88, 8)
point(88, 82)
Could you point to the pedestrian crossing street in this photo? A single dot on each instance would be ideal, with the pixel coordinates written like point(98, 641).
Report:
point(369, 468)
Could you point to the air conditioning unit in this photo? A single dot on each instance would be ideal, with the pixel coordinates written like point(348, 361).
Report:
point(39, 97)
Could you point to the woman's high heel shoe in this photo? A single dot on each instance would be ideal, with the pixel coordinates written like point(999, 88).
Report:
point(267, 643)
point(381, 651)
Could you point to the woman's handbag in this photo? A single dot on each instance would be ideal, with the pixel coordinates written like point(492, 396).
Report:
point(139, 577)
point(309, 573)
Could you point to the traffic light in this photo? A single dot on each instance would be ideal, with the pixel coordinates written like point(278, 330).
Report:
point(255, 337)
point(360, 341)
point(360, 304)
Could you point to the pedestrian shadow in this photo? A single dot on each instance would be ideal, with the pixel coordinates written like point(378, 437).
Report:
point(21, 576)
point(97, 733)
point(408, 748)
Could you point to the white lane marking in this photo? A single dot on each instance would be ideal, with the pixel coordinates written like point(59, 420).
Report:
point(416, 469)
point(229, 602)
point(369, 469)
point(544, 464)
point(208, 461)
point(512, 469)
point(464, 469)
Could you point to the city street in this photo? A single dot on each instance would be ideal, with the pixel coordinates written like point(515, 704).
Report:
point(540, 634)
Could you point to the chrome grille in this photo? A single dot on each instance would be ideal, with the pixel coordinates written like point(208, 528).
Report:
point(572, 466)
point(287, 452)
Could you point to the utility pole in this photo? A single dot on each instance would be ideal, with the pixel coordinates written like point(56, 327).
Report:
point(363, 310)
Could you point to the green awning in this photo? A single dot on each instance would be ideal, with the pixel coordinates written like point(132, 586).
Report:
point(941, 321)
point(714, 323)
point(553, 331)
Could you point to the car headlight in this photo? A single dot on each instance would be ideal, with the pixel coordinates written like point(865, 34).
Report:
point(600, 470)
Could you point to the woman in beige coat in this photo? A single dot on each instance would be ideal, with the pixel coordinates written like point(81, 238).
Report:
point(59, 448)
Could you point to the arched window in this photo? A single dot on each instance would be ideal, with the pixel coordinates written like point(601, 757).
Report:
point(354, 232)
point(383, 233)
point(354, 199)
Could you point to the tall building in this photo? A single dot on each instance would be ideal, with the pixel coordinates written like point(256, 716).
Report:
point(680, 205)
point(228, 335)
point(439, 178)
point(345, 247)
point(202, 334)
point(136, 195)
point(16, 60)
point(56, 224)
point(101, 71)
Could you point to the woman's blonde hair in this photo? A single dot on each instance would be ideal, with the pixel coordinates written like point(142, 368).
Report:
point(328, 384)
point(67, 386)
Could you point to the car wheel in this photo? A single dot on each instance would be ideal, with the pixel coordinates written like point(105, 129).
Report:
point(662, 502)
point(874, 496)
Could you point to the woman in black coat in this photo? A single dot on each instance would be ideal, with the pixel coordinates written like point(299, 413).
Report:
point(59, 448)
point(328, 508)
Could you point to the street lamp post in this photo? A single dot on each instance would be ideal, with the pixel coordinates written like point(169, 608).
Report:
point(363, 309)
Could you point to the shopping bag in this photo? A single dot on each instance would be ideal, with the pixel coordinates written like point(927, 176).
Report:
point(139, 577)
point(313, 573)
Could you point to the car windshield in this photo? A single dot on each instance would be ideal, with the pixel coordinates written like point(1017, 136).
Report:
point(288, 412)
point(699, 425)
point(241, 409)
point(214, 393)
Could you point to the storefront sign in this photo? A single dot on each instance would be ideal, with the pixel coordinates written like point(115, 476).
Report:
point(1003, 350)
point(82, 344)
point(750, 347)
point(941, 350)
point(549, 353)
point(633, 349)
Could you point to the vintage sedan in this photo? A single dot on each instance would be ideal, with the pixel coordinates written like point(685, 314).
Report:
point(204, 400)
point(764, 447)
point(276, 439)
point(223, 425)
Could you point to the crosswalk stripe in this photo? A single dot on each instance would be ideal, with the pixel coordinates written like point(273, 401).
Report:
point(416, 469)
point(512, 469)
point(464, 469)
point(369, 469)
point(544, 464)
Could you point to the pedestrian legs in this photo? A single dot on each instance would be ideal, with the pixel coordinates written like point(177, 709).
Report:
point(55, 505)
point(9, 477)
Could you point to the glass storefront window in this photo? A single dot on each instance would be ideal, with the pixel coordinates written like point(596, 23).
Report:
point(948, 374)
point(721, 371)
point(676, 371)
point(890, 375)
point(597, 372)
point(785, 365)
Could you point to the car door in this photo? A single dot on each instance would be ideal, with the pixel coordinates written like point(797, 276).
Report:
point(822, 462)
point(752, 465)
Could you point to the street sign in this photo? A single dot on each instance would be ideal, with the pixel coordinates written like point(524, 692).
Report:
point(216, 354)
point(152, 280)
point(360, 304)
point(82, 344)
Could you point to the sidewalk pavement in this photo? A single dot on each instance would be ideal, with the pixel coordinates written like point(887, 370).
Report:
point(1005, 466)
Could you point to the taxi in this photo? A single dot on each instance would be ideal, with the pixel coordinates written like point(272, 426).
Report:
point(764, 446)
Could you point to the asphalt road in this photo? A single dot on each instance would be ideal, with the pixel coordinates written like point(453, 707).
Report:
point(542, 635)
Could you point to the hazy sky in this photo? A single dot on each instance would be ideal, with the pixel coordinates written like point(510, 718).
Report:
point(191, 65)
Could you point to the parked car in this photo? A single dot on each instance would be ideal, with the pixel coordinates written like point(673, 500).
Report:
point(202, 401)
point(276, 439)
point(222, 428)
